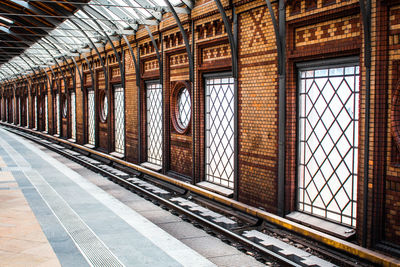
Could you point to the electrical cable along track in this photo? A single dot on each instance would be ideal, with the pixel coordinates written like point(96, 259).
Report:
point(266, 242)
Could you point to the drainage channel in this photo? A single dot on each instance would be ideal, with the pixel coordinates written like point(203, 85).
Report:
point(245, 236)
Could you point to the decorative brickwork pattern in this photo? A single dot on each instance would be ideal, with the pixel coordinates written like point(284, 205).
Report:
point(316, 30)
point(181, 154)
point(180, 144)
point(328, 31)
point(301, 8)
point(216, 52)
point(150, 65)
point(131, 110)
point(391, 195)
point(392, 210)
point(258, 131)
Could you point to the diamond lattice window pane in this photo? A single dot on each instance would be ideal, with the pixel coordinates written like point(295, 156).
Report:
point(19, 111)
point(27, 111)
point(91, 118)
point(328, 127)
point(119, 117)
point(36, 119)
point(46, 114)
point(73, 116)
point(7, 110)
point(184, 108)
point(104, 109)
point(154, 123)
point(58, 113)
point(220, 131)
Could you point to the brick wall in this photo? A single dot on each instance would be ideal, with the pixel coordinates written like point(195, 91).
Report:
point(258, 109)
point(316, 30)
point(390, 195)
point(131, 109)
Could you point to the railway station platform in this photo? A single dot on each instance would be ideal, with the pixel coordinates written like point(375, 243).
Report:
point(55, 212)
point(61, 207)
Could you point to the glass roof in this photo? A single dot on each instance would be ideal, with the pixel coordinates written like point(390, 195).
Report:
point(89, 26)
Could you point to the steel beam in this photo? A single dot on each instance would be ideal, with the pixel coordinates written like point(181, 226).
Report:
point(232, 44)
point(65, 62)
point(280, 39)
point(96, 50)
point(137, 71)
point(185, 39)
point(95, 16)
point(73, 59)
point(27, 5)
point(365, 6)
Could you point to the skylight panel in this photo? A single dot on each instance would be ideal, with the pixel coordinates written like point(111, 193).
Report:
point(146, 14)
point(159, 2)
point(6, 20)
point(131, 3)
point(175, 2)
point(70, 40)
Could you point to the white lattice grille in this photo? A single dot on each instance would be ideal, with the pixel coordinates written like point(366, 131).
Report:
point(27, 111)
point(36, 114)
point(19, 111)
point(46, 114)
point(328, 143)
point(154, 123)
point(119, 116)
point(7, 109)
point(73, 116)
point(58, 113)
point(14, 118)
point(220, 131)
point(184, 106)
point(91, 118)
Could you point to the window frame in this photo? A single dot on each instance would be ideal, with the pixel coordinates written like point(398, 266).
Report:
point(220, 75)
point(340, 62)
point(174, 107)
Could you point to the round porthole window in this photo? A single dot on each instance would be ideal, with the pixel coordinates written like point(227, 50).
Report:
point(184, 106)
point(64, 107)
point(181, 107)
point(103, 106)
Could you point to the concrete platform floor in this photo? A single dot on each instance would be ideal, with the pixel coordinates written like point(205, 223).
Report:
point(54, 211)
point(22, 241)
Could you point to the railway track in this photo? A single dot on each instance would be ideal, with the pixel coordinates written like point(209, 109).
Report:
point(266, 242)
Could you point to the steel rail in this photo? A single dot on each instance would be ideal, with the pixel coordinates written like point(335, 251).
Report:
point(329, 240)
point(322, 249)
point(215, 228)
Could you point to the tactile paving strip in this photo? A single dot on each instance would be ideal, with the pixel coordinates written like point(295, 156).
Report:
point(94, 250)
